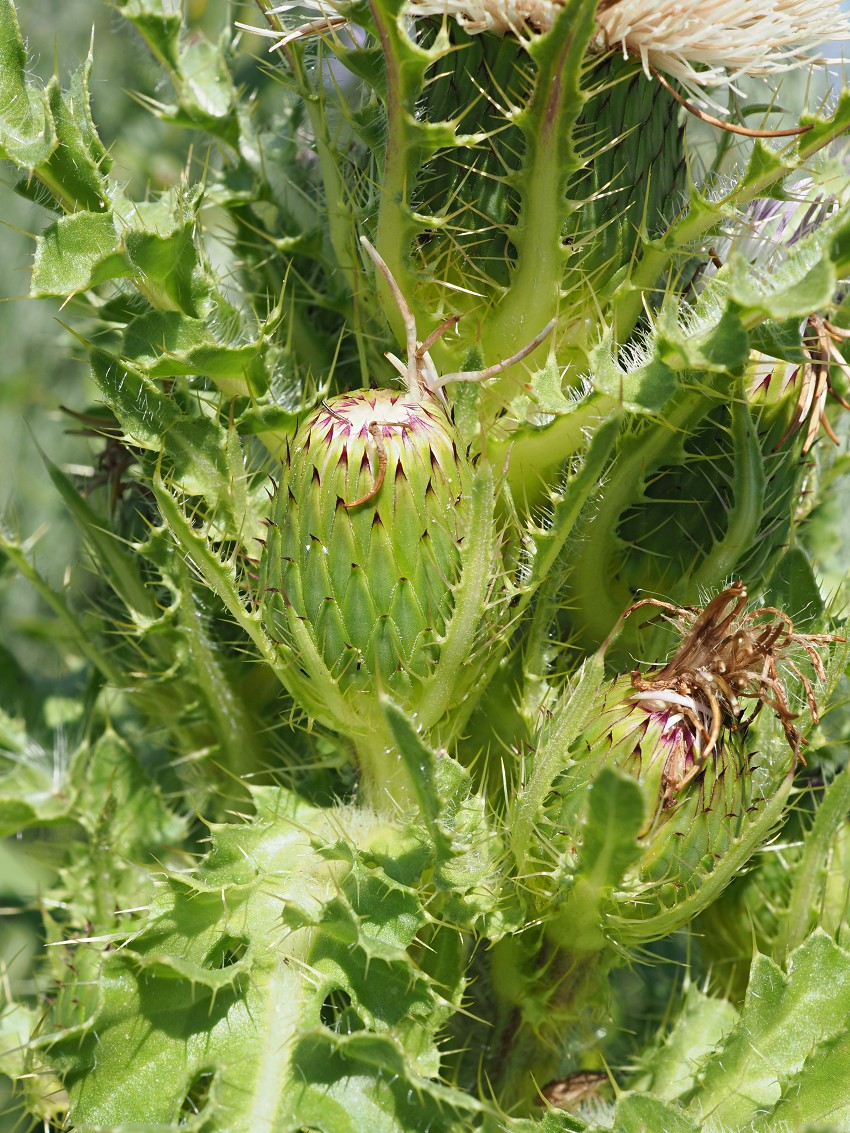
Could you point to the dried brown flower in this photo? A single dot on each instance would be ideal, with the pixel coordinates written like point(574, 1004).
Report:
point(728, 656)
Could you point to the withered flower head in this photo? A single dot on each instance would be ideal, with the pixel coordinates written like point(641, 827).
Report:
point(728, 662)
point(677, 728)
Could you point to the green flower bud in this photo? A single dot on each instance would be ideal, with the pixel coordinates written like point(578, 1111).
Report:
point(365, 549)
point(383, 573)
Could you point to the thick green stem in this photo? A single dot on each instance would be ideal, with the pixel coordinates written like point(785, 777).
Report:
point(385, 784)
point(596, 596)
point(395, 228)
point(551, 158)
point(338, 212)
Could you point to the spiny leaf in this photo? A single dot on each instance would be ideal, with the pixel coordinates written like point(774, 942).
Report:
point(610, 846)
point(115, 563)
point(122, 796)
point(159, 22)
point(703, 215)
point(638, 1113)
point(77, 252)
point(27, 132)
point(168, 344)
point(80, 161)
point(793, 1027)
point(671, 1068)
point(195, 446)
point(153, 242)
point(225, 955)
point(47, 132)
point(568, 719)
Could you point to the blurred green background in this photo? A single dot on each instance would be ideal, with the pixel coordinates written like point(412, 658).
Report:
point(41, 370)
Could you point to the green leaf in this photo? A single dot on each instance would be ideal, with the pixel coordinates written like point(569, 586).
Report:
point(638, 1114)
point(50, 133)
point(823, 130)
point(764, 168)
point(168, 344)
point(790, 1047)
point(671, 1069)
point(809, 898)
point(115, 563)
point(145, 414)
point(645, 389)
point(726, 346)
point(554, 1121)
point(34, 785)
point(615, 816)
point(27, 132)
point(77, 252)
point(152, 243)
point(201, 457)
point(159, 22)
point(207, 92)
point(222, 960)
point(28, 794)
point(159, 237)
point(610, 846)
point(796, 290)
point(817, 1098)
point(421, 763)
point(465, 849)
point(41, 1090)
point(779, 340)
point(795, 591)
point(124, 809)
point(79, 162)
point(568, 721)
point(198, 69)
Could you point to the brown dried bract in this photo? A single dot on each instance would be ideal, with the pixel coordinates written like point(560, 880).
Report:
point(820, 346)
point(728, 655)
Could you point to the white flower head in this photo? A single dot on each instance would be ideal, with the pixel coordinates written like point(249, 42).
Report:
point(713, 42)
point(704, 43)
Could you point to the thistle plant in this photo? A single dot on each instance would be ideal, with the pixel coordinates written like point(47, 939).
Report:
point(448, 734)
